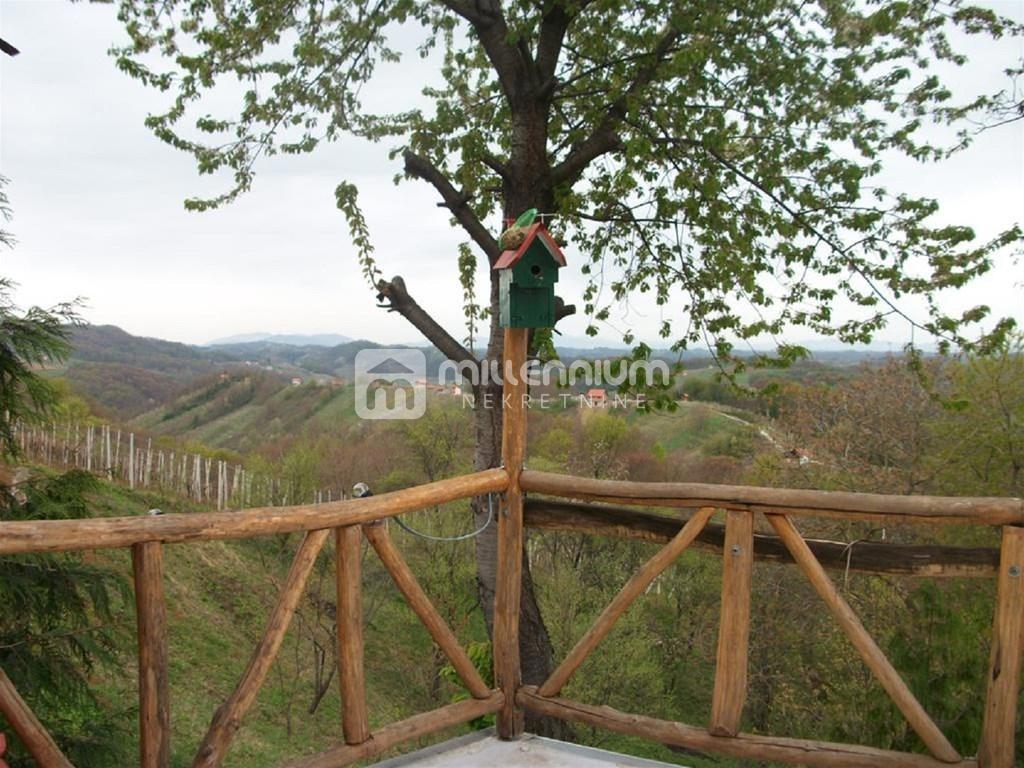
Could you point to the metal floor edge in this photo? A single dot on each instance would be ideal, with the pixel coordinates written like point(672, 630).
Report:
point(482, 749)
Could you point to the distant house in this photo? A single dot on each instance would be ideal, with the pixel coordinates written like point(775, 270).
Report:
point(296, 381)
point(597, 398)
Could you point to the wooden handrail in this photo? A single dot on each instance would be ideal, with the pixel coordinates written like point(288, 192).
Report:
point(146, 534)
point(20, 536)
point(935, 561)
point(414, 727)
point(355, 721)
point(509, 572)
point(833, 504)
point(749, 747)
point(1000, 719)
point(730, 692)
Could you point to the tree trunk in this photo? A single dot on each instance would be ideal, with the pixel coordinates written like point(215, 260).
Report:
point(536, 653)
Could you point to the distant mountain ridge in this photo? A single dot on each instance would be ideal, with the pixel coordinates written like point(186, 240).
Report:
point(291, 339)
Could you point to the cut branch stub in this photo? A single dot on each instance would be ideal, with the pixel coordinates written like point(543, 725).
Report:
point(398, 300)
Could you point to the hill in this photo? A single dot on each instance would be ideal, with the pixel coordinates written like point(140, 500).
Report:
point(243, 395)
point(122, 375)
point(244, 409)
point(296, 339)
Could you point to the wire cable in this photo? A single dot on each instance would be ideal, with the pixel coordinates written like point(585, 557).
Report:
point(461, 537)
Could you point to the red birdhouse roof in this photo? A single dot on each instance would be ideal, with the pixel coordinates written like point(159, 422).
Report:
point(538, 230)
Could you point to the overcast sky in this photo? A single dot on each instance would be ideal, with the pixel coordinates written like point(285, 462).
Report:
point(98, 205)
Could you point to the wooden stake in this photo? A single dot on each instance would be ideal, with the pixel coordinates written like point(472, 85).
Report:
point(154, 693)
point(734, 625)
point(999, 726)
point(33, 735)
point(131, 459)
point(406, 582)
point(509, 581)
point(228, 718)
point(630, 592)
point(867, 648)
point(351, 676)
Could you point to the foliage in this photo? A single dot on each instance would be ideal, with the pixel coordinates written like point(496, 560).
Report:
point(436, 441)
point(690, 151)
point(940, 652)
point(953, 427)
point(874, 432)
point(37, 337)
point(483, 660)
point(601, 440)
point(58, 621)
point(985, 410)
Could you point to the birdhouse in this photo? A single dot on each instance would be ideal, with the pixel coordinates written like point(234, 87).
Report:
point(527, 274)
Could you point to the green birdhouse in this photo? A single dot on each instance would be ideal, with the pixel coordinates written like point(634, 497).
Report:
point(528, 273)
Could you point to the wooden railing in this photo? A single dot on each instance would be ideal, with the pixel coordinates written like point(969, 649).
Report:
point(739, 546)
point(736, 541)
point(350, 521)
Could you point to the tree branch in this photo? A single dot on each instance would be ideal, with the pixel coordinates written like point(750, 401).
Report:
point(455, 201)
point(562, 309)
point(605, 137)
point(495, 165)
point(398, 300)
point(511, 63)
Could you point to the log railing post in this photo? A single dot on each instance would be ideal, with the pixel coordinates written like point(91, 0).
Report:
point(351, 676)
point(999, 725)
point(734, 625)
point(507, 671)
point(154, 693)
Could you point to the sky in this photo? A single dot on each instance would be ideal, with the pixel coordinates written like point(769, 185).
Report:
point(98, 211)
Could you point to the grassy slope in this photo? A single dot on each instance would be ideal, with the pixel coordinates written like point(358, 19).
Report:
point(249, 409)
